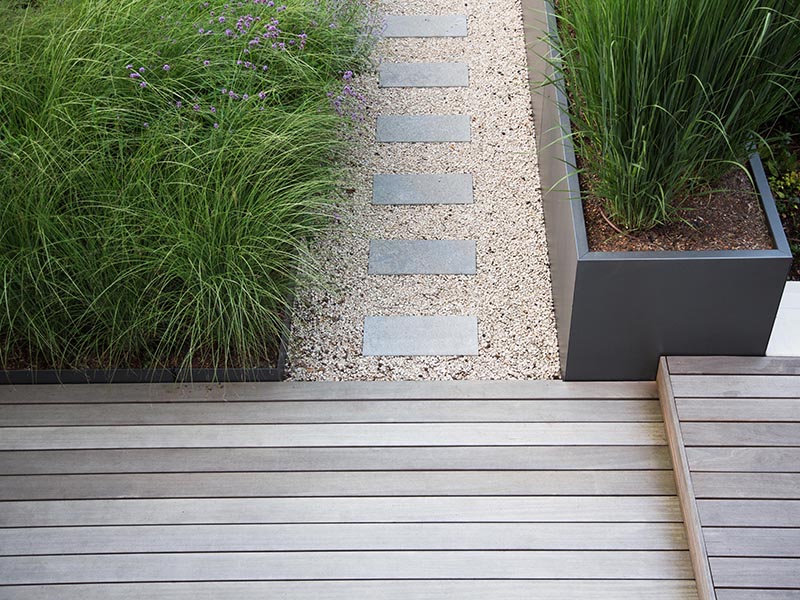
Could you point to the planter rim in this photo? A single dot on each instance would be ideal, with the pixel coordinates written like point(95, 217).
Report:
point(781, 249)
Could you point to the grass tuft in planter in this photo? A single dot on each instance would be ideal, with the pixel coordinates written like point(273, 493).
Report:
point(668, 95)
point(162, 165)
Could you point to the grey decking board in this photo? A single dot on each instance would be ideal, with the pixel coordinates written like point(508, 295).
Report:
point(181, 460)
point(425, 26)
point(736, 386)
point(402, 516)
point(420, 336)
point(736, 459)
point(783, 486)
point(736, 409)
point(740, 434)
point(351, 537)
point(331, 411)
point(683, 484)
point(752, 541)
point(423, 128)
point(749, 513)
point(441, 509)
point(324, 435)
point(741, 428)
point(761, 594)
point(653, 589)
point(424, 75)
point(422, 257)
point(340, 483)
point(346, 565)
point(733, 365)
point(422, 188)
point(316, 391)
point(756, 572)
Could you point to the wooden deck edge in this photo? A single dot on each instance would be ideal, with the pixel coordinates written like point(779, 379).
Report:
point(335, 390)
point(683, 483)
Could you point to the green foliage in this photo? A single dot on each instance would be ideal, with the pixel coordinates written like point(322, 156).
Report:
point(158, 183)
point(668, 94)
point(786, 187)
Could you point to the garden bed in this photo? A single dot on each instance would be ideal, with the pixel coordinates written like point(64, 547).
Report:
point(163, 167)
point(618, 311)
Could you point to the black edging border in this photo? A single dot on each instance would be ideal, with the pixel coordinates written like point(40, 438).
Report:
point(177, 375)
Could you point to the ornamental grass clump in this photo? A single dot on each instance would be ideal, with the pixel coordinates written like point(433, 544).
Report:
point(667, 95)
point(162, 166)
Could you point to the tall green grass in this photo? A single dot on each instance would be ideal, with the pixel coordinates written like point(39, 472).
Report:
point(159, 184)
point(668, 94)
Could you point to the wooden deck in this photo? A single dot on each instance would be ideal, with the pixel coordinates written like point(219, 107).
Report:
point(427, 491)
point(734, 427)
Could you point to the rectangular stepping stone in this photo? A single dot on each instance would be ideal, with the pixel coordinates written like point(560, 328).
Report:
point(425, 26)
point(423, 128)
point(422, 257)
point(424, 75)
point(420, 336)
point(422, 188)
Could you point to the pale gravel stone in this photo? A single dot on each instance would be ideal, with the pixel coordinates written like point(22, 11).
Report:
point(510, 294)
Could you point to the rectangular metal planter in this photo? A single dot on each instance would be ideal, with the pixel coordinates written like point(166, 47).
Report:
point(617, 312)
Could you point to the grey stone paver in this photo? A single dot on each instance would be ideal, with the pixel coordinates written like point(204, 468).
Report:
point(425, 26)
point(424, 75)
point(422, 188)
point(422, 257)
point(420, 336)
point(423, 128)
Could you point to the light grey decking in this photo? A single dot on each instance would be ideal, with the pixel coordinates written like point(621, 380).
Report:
point(432, 491)
point(735, 426)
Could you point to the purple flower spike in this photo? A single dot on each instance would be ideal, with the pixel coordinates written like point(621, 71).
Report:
point(134, 75)
point(245, 97)
point(145, 125)
point(196, 107)
point(129, 66)
point(178, 104)
point(141, 69)
point(216, 125)
point(224, 90)
point(143, 84)
point(213, 109)
point(206, 63)
point(167, 67)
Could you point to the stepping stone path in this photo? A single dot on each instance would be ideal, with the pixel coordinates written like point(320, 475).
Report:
point(433, 335)
point(443, 188)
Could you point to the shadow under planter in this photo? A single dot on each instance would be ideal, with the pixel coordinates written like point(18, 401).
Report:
point(618, 312)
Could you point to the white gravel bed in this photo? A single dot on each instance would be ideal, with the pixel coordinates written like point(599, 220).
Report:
point(510, 294)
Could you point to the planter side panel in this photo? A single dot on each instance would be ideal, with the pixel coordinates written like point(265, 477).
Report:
point(628, 312)
point(560, 192)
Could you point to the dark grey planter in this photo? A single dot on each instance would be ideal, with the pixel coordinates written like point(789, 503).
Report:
point(617, 312)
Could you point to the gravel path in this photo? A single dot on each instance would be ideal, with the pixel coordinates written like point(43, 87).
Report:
point(510, 293)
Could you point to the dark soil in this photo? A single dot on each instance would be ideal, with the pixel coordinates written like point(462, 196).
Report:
point(727, 216)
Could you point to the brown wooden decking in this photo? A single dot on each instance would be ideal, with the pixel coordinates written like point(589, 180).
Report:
point(384, 491)
point(734, 427)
